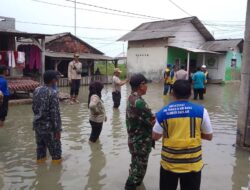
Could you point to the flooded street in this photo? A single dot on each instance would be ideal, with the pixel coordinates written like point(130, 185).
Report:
point(105, 165)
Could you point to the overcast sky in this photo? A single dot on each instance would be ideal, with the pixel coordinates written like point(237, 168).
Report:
point(225, 18)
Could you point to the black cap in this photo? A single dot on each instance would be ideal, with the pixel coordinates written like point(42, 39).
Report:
point(137, 79)
point(50, 75)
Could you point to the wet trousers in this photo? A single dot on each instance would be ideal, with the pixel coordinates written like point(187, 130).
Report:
point(116, 98)
point(166, 89)
point(48, 141)
point(200, 92)
point(75, 86)
point(96, 131)
point(138, 168)
point(188, 181)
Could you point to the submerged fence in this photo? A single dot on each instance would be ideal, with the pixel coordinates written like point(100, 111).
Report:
point(63, 82)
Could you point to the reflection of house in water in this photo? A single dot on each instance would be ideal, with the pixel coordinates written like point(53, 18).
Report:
point(153, 45)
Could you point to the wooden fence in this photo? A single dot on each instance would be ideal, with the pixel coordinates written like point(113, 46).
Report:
point(63, 82)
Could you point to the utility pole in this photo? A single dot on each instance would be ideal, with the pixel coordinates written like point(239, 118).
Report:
point(243, 130)
point(75, 17)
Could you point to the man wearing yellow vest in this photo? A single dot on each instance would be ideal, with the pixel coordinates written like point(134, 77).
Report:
point(182, 125)
point(167, 80)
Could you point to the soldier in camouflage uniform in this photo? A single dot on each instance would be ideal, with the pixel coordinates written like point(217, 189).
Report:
point(139, 121)
point(47, 119)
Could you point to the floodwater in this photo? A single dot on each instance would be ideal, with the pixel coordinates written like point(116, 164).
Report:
point(105, 165)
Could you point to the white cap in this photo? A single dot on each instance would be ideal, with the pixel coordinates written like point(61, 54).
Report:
point(204, 66)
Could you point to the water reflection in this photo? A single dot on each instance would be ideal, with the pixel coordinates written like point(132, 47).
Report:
point(97, 162)
point(105, 166)
point(241, 176)
point(48, 176)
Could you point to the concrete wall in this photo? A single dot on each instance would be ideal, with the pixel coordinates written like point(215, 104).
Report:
point(187, 36)
point(215, 65)
point(7, 23)
point(147, 57)
point(151, 56)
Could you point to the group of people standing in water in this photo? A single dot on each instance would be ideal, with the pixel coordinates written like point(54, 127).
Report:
point(199, 79)
point(181, 124)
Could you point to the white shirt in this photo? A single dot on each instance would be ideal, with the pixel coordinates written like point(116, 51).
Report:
point(74, 70)
point(116, 84)
point(206, 126)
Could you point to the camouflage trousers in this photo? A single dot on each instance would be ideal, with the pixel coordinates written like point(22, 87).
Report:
point(48, 141)
point(138, 168)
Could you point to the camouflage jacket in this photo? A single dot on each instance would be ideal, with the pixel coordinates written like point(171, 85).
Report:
point(139, 124)
point(46, 110)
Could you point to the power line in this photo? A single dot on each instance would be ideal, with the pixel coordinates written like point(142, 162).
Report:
point(100, 28)
point(70, 26)
point(90, 10)
point(116, 10)
point(180, 8)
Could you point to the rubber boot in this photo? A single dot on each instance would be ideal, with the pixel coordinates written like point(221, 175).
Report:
point(56, 161)
point(41, 161)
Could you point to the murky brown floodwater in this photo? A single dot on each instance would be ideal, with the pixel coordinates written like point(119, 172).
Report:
point(105, 165)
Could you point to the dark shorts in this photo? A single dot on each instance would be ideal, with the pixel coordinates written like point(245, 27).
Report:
point(188, 181)
point(4, 108)
point(75, 86)
point(96, 131)
point(116, 98)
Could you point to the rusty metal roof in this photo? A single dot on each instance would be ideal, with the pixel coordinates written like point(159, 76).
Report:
point(82, 56)
point(165, 29)
point(222, 45)
point(50, 39)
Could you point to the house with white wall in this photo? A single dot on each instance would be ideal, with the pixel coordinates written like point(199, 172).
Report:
point(153, 45)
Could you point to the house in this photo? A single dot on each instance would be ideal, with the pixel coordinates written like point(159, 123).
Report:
point(153, 45)
point(225, 65)
point(9, 55)
point(59, 51)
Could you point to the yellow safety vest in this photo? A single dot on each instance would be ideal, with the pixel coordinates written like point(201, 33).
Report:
point(206, 74)
point(168, 78)
point(181, 144)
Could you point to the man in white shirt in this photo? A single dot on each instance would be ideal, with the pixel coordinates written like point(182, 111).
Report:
point(181, 74)
point(116, 87)
point(182, 125)
point(74, 77)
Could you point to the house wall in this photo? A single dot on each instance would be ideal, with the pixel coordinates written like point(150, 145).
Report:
point(175, 54)
point(187, 36)
point(215, 65)
point(147, 57)
point(232, 72)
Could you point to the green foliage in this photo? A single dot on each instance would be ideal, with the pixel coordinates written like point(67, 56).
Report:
point(110, 69)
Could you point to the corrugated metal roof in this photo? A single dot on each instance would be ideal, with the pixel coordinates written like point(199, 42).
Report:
point(13, 32)
point(82, 56)
point(221, 45)
point(50, 39)
point(55, 36)
point(164, 29)
point(195, 50)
